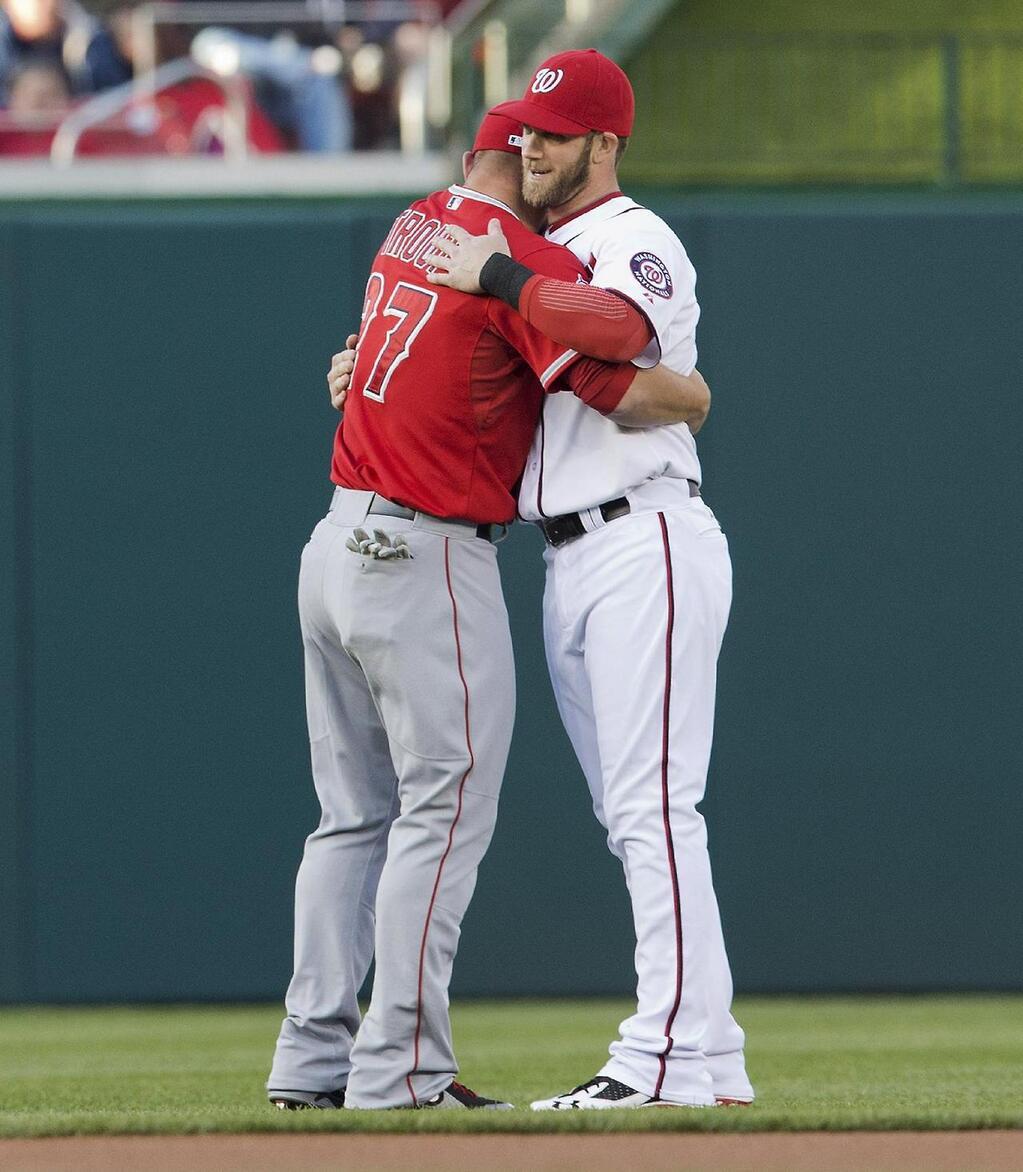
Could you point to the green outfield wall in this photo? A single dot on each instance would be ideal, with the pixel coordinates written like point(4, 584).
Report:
point(164, 441)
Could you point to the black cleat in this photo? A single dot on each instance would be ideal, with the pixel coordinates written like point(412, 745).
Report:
point(457, 1097)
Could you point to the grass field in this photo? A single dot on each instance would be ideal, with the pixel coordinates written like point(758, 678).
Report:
point(930, 1063)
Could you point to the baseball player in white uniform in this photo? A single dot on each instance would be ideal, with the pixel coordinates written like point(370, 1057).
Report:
point(638, 588)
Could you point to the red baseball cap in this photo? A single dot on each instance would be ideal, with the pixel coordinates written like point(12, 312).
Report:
point(499, 133)
point(575, 92)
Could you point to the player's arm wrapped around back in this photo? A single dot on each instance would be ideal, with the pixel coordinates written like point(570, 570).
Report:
point(597, 322)
point(660, 396)
point(638, 398)
point(600, 385)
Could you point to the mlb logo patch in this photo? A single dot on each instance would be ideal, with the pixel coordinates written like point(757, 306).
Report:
point(454, 202)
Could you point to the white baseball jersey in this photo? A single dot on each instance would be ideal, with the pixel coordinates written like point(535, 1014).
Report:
point(579, 458)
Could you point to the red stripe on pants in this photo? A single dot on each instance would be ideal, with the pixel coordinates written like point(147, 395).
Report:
point(666, 810)
point(451, 832)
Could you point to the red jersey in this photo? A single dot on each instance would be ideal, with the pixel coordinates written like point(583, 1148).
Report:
point(446, 391)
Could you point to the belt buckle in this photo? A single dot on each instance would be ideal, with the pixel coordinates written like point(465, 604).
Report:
point(612, 510)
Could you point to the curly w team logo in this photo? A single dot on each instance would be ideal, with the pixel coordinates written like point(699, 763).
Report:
point(547, 80)
point(652, 273)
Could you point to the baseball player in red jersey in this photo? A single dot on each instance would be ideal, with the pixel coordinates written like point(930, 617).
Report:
point(409, 674)
point(638, 583)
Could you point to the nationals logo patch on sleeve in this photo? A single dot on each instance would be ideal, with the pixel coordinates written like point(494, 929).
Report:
point(652, 273)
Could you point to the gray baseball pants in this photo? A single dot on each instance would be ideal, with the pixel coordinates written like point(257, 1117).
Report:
point(410, 696)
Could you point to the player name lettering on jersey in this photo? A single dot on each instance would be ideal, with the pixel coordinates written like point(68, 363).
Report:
point(410, 237)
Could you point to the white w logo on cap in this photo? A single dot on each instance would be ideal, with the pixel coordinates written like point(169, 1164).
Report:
point(546, 80)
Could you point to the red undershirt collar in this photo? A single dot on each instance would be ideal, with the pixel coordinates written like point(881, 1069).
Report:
point(582, 211)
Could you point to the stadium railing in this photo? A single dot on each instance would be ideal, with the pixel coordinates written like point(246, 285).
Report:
point(206, 103)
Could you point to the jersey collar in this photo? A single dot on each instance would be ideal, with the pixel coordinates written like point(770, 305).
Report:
point(468, 193)
point(557, 225)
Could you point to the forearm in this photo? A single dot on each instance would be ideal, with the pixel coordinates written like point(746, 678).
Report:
point(661, 396)
point(595, 322)
point(600, 385)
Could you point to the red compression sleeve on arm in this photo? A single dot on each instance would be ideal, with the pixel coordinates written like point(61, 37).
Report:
point(600, 385)
point(593, 321)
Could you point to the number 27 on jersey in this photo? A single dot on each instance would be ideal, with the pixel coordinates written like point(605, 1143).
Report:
point(389, 333)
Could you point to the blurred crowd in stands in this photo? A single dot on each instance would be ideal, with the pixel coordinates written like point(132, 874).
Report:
point(312, 85)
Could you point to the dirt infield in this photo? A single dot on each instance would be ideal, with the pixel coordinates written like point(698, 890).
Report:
point(941, 1151)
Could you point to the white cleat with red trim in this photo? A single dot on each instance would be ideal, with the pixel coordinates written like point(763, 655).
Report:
point(601, 1093)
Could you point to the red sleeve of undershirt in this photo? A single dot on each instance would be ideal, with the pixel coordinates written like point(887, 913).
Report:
point(597, 384)
point(597, 322)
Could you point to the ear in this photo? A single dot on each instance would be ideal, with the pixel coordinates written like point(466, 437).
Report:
point(466, 164)
point(604, 147)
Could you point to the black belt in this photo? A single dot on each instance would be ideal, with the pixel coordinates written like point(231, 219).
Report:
point(559, 530)
point(380, 504)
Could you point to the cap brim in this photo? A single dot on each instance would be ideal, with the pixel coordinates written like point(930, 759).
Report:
point(540, 118)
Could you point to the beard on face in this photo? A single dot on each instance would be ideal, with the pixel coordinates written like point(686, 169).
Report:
point(561, 188)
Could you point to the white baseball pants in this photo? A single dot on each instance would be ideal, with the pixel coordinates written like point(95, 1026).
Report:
point(410, 695)
point(634, 615)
